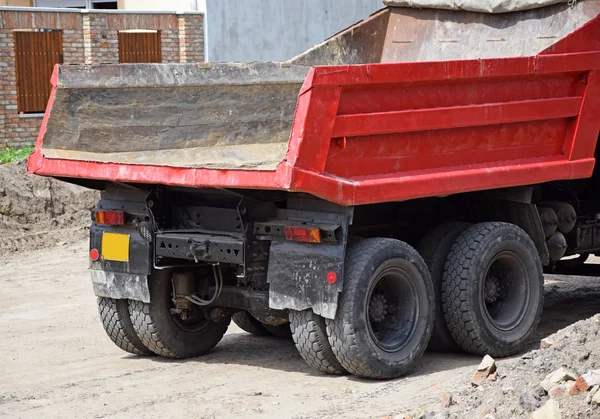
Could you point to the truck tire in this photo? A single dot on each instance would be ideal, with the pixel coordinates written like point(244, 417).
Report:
point(310, 336)
point(117, 324)
point(247, 323)
point(434, 248)
point(281, 331)
point(492, 291)
point(385, 311)
point(162, 332)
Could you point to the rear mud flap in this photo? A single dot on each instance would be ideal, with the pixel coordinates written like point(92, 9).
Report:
point(299, 276)
point(305, 275)
point(121, 286)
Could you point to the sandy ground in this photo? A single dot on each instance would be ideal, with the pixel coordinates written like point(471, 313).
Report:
point(57, 361)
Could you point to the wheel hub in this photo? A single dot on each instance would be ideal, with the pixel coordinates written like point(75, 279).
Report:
point(491, 289)
point(378, 308)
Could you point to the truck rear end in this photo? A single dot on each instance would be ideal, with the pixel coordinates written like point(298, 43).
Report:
point(399, 186)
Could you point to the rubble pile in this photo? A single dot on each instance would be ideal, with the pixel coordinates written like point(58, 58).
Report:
point(559, 380)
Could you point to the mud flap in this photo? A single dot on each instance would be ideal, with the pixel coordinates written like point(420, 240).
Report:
point(303, 275)
point(121, 286)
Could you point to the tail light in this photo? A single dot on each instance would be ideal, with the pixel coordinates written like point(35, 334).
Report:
point(303, 234)
point(112, 218)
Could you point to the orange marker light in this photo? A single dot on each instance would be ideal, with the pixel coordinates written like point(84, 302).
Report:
point(303, 234)
point(113, 218)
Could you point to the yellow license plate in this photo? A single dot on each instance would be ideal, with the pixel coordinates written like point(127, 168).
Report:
point(115, 247)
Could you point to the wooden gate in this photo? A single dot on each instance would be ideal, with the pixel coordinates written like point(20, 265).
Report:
point(36, 53)
point(140, 47)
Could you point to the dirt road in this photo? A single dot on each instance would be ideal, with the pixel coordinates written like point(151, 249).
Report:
point(57, 361)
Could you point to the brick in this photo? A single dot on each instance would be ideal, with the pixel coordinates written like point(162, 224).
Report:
point(446, 400)
point(586, 382)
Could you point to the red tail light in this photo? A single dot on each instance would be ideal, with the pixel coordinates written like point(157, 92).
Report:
point(94, 254)
point(112, 218)
point(303, 234)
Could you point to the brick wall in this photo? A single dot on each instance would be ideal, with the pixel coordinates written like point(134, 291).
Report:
point(104, 43)
point(73, 48)
point(90, 38)
point(193, 39)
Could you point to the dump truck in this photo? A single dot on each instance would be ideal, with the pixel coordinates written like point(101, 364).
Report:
point(402, 185)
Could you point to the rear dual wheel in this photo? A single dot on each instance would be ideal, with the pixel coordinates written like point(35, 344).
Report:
point(310, 336)
point(114, 315)
point(434, 247)
point(385, 312)
point(167, 334)
point(492, 289)
point(245, 321)
point(248, 323)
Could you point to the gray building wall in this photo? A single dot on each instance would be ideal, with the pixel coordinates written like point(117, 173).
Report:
point(275, 30)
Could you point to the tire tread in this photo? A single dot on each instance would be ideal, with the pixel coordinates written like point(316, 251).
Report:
point(456, 304)
point(118, 326)
point(310, 336)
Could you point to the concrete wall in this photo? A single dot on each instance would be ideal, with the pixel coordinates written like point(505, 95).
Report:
point(274, 30)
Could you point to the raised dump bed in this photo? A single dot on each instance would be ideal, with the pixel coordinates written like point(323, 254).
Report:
point(436, 111)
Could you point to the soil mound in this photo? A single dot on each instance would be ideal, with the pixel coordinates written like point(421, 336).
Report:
point(39, 212)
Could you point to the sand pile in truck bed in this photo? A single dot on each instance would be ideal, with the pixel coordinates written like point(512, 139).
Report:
point(40, 212)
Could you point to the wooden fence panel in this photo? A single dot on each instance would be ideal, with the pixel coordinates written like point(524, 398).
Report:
point(36, 53)
point(140, 47)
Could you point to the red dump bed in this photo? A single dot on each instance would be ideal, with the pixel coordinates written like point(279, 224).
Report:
point(387, 132)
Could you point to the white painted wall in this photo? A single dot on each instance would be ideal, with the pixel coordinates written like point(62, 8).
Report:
point(177, 5)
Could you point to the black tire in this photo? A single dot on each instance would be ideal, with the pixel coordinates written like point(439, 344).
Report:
point(281, 331)
point(434, 248)
point(492, 292)
point(162, 333)
point(247, 323)
point(310, 336)
point(117, 324)
point(366, 336)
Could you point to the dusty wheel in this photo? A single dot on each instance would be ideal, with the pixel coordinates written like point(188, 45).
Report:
point(247, 323)
point(167, 334)
point(492, 292)
point(310, 336)
point(117, 324)
point(434, 247)
point(281, 331)
point(385, 312)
